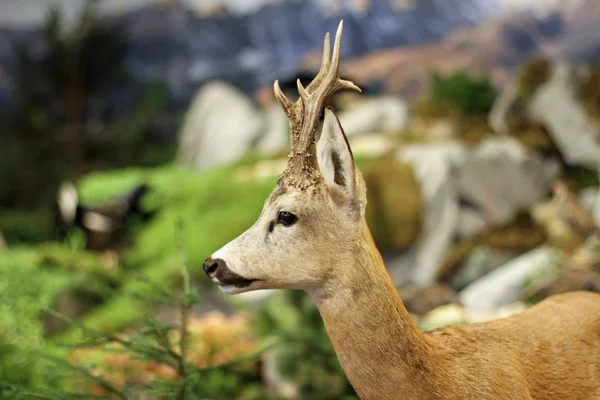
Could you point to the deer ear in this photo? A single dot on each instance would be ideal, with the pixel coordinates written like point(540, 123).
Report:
point(335, 157)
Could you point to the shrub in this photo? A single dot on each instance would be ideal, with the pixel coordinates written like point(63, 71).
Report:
point(305, 356)
point(470, 95)
point(25, 289)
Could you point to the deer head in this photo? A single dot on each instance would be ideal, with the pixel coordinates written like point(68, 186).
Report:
point(312, 217)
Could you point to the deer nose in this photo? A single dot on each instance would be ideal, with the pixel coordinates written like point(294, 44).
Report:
point(211, 266)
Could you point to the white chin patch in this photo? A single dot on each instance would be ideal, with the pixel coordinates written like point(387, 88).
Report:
point(232, 289)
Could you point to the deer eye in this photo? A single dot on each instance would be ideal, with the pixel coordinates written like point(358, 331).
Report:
point(286, 219)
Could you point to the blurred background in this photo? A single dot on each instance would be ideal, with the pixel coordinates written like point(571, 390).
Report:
point(139, 136)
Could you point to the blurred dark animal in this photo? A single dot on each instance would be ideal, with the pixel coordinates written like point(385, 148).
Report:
point(102, 223)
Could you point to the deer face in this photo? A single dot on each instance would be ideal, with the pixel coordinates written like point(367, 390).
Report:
point(297, 241)
point(313, 216)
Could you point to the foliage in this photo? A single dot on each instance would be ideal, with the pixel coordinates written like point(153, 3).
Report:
point(531, 75)
point(306, 356)
point(24, 290)
point(21, 227)
point(395, 211)
point(213, 205)
point(470, 95)
point(66, 121)
point(212, 357)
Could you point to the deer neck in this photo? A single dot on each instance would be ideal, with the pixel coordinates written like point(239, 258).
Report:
point(379, 347)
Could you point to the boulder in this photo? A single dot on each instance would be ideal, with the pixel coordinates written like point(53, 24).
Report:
point(374, 115)
point(433, 166)
point(480, 261)
point(220, 126)
point(449, 314)
point(500, 177)
point(497, 178)
point(556, 104)
point(274, 134)
point(474, 317)
point(505, 284)
point(470, 223)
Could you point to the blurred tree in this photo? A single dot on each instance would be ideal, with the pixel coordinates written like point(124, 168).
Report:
point(66, 122)
point(471, 95)
point(52, 86)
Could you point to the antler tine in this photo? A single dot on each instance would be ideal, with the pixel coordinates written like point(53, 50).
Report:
point(325, 64)
point(285, 102)
point(304, 114)
point(328, 79)
point(335, 64)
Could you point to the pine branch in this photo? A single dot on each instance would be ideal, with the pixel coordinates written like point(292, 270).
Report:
point(84, 372)
point(185, 308)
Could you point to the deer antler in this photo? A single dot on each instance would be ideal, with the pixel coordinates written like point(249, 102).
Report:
point(305, 113)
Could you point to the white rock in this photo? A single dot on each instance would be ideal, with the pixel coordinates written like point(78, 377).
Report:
point(374, 114)
point(220, 126)
point(505, 284)
point(474, 317)
point(274, 131)
point(556, 105)
point(501, 177)
point(433, 166)
point(449, 314)
point(498, 177)
point(370, 145)
point(470, 223)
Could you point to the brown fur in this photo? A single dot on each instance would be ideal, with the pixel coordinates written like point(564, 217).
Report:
point(549, 352)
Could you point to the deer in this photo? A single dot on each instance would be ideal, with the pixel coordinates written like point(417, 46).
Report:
point(312, 235)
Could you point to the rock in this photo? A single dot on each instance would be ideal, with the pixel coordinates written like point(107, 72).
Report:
point(274, 132)
point(260, 170)
point(500, 177)
point(473, 317)
point(395, 210)
point(420, 299)
point(220, 126)
point(470, 223)
point(503, 107)
point(497, 179)
point(371, 145)
point(480, 261)
point(433, 165)
point(555, 103)
point(450, 314)
point(374, 115)
point(505, 284)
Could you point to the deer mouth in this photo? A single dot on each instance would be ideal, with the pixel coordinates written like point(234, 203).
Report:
point(231, 283)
